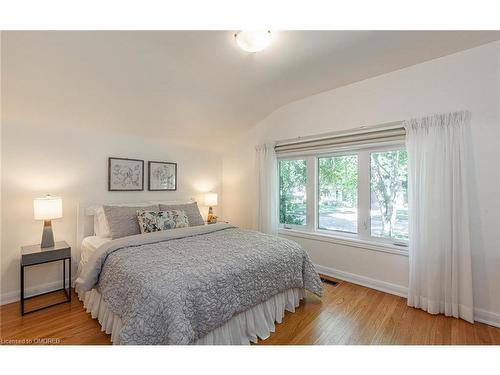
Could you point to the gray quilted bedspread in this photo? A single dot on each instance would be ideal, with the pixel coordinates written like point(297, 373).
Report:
point(174, 287)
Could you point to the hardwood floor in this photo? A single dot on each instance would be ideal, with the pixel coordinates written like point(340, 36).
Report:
point(67, 323)
point(347, 314)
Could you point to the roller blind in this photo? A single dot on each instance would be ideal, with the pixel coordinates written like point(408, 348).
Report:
point(357, 138)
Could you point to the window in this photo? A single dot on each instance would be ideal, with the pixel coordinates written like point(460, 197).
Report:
point(389, 195)
point(338, 193)
point(359, 193)
point(292, 192)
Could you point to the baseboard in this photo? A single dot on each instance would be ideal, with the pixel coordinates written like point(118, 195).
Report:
point(487, 317)
point(383, 286)
point(480, 315)
point(15, 296)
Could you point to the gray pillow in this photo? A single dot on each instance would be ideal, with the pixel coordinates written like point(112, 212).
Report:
point(122, 220)
point(191, 210)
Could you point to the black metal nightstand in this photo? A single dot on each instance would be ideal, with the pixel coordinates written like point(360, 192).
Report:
point(32, 255)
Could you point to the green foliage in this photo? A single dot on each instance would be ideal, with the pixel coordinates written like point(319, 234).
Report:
point(292, 179)
point(338, 179)
point(389, 177)
point(338, 184)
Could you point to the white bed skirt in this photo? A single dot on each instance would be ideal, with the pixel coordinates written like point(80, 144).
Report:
point(248, 326)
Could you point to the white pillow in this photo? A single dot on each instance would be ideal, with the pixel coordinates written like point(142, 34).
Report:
point(101, 226)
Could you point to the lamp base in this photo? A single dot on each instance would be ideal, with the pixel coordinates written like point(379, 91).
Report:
point(211, 218)
point(47, 234)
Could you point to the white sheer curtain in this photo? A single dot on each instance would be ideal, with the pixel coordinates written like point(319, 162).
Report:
point(267, 190)
point(440, 258)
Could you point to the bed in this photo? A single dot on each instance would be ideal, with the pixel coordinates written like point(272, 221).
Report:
point(209, 284)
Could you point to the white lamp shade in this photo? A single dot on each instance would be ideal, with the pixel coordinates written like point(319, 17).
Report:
point(47, 208)
point(211, 199)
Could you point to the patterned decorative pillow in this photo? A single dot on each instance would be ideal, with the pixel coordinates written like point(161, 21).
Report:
point(154, 221)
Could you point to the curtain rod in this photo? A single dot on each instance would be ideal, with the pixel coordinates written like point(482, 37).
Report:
point(384, 126)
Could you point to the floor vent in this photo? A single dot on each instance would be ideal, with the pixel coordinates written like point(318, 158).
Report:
point(328, 281)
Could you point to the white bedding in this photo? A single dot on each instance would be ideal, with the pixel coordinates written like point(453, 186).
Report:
point(89, 246)
point(249, 326)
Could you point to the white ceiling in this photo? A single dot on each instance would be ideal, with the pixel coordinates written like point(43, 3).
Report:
point(197, 86)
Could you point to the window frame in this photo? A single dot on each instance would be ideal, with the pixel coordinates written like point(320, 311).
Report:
point(311, 229)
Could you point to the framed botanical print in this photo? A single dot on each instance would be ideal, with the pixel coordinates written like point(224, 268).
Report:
point(162, 176)
point(125, 174)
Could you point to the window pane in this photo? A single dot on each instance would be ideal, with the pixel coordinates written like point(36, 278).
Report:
point(338, 193)
point(389, 195)
point(292, 194)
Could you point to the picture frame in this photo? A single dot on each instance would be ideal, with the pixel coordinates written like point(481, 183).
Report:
point(125, 174)
point(162, 176)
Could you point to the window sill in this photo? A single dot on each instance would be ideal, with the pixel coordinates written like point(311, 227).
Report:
point(356, 242)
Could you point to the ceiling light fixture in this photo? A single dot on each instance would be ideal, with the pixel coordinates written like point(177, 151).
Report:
point(253, 41)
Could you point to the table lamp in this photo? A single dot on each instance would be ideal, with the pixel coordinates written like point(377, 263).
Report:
point(46, 209)
point(211, 200)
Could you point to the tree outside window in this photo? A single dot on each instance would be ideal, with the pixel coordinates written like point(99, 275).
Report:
point(292, 192)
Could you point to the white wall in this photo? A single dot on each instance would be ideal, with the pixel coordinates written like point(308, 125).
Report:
point(466, 80)
point(73, 164)
point(44, 150)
